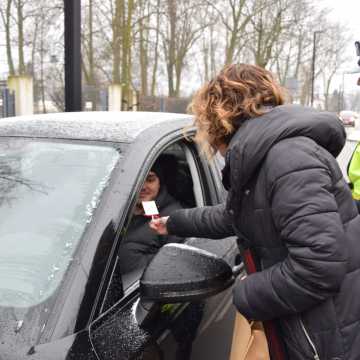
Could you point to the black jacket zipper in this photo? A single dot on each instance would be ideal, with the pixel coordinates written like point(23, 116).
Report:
point(312, 345)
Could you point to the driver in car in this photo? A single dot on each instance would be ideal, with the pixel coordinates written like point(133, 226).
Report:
point(140, 243)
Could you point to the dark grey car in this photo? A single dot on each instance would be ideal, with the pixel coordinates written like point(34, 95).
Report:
point(68, 185)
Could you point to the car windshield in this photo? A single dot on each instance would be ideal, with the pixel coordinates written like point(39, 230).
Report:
point(48, 192)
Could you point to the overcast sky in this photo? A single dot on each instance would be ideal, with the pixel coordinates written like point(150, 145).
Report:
point(348, 13)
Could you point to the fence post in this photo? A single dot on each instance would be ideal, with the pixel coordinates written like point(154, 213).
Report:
point(103, 97)
point(135, 100)
point(8, 108)
point(115, 97)
point(24, 98)
point(162, 104)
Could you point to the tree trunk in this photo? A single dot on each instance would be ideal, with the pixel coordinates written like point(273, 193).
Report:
point(20, 21)
point(178, 71)
point(42, 82)
point(33, 52)
point(212, 53)
point(143, 50)
point(7, 25)
point(205, 53)
point(126, 53)
point(116, 41)
point(156, 50)
point(172, 46)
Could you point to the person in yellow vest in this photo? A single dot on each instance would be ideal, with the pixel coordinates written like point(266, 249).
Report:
point(354, 175)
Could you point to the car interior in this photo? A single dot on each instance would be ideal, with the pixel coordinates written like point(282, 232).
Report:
point(177, 161)
point(183, 184)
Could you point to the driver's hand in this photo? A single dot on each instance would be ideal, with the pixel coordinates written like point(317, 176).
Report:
point(159, 225)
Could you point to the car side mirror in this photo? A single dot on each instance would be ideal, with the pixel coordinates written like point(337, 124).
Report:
point(181, 273)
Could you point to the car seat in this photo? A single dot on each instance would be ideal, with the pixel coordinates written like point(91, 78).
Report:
point(178, 179)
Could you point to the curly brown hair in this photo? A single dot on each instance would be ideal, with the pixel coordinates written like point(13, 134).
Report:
point(239, 92)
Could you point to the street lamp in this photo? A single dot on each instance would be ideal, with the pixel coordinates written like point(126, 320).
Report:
point(313, 66)
point(72, 40)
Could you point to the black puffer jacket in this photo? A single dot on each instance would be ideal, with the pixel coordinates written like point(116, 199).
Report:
point(140, 243)
point(289, 201)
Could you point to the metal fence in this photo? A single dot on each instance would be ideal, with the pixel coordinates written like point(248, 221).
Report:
point(97, 99)
point(163, 104)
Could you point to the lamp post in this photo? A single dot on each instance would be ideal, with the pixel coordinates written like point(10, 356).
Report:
point(72, 20)
point(313, 67)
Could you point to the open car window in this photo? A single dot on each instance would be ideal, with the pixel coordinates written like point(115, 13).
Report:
point(180, 187)
point(176, 178)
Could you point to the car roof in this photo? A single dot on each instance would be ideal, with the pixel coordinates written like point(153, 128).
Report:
point(116, 126)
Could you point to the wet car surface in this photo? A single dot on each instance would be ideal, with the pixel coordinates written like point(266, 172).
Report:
point(68, 185)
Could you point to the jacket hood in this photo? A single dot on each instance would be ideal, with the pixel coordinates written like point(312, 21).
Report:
point(253, 140)
point(164, 198)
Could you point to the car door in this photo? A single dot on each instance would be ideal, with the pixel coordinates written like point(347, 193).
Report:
point(205, 329)
point(198, 330)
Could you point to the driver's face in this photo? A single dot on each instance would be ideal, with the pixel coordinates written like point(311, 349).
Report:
point(151, 188)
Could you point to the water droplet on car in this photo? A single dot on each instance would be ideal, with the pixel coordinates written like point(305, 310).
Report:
point(19, 325)
point(55, 268)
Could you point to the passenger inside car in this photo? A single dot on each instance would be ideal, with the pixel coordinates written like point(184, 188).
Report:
point(140, 243)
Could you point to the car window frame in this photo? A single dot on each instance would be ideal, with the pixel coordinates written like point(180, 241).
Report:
point(119, 219)
point(210, 170)
point(216, 165)
point(198, 168)
point(198, 186)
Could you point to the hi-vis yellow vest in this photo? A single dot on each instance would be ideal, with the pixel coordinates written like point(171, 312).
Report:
point(354, 173)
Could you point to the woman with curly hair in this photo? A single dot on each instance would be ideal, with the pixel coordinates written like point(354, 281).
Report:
point(289, 204)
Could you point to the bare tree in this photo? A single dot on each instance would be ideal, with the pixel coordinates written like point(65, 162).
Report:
point(19, 4)
point(88, 54)
point(272, 19)
point(156, 44)
point(122, 47)
point(234, 15)
point(181, 32)
point(156, 50)
point(143, 40)
point(6, 18)
point(333, 56)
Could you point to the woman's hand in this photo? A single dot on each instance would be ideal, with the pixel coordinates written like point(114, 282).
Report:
point(159, 225)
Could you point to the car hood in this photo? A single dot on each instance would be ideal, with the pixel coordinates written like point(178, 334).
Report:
point(76, 346)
